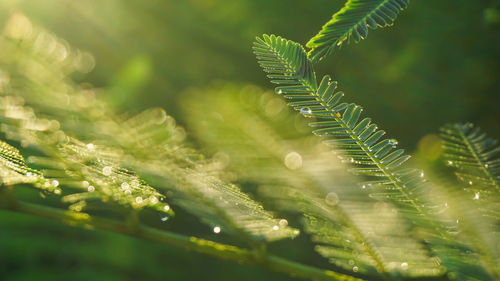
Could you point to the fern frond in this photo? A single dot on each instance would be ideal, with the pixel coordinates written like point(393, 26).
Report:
point(250, 132)
point(474, 155)
point(101, 156)
point(352, 22)
point(359, 143)
point(338, 123)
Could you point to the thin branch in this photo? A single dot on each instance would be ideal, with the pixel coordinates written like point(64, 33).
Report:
point(219, 250)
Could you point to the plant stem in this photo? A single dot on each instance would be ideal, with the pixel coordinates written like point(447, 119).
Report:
point(195, 244)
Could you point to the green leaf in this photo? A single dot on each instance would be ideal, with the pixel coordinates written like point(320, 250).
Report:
point(13, 170)
point(388, 180)
point(353, 21)
point(474, 155)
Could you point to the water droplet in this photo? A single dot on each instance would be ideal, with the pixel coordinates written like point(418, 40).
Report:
point(107, 170)
point(450, 163)
point(90, 146)
point(404, 265)
point(91, 188)
point(166, 208)
point(355, 269)
point(276, 227)
point(305, 111)
point(125, 186)
point(422, 174)
point(470, 182)
point(476, 196)
point(283, 222)
point(55, 183)
point(486, 165)
point(393, 142)
point(217, 230)
point(332, 199)
point(293, 160)
point(363, 186)
point(164, 219)
point(138, 200)
point(158, 115)
point(128, 192)
point(351, 160)
point(153, 200)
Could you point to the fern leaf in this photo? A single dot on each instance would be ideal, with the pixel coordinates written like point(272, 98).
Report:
point(473, 155)
point(251, 132)
point(103, 156)
point(361, 144)
point(352, 22)
point(338, 123)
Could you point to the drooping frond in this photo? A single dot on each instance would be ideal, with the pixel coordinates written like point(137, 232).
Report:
point(248, 131)
point(123, 161)
point(352, 22)
point(474, 155)
point(359, 143)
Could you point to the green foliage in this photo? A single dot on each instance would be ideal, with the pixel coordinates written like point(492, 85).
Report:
point(474, 156)
point(359, 143)
point(13, 170)
point(248, 132)
point(111, 170)
point(119, 152)
point(353, 21)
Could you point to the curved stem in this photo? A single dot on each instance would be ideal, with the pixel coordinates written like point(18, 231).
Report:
point(219, 250)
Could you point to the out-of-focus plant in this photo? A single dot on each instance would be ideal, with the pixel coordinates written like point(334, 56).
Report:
point(383, 222)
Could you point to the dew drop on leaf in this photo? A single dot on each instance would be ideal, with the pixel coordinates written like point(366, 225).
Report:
point(125, 186)
point(332, 199)
point(158, 115)
point(404, 265)
point(91, 188)
point(283, 222)
point(305, 111)
point(107, 170)
point(293, 160)
point(217, 229)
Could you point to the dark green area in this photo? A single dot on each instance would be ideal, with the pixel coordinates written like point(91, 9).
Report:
point(438, 64)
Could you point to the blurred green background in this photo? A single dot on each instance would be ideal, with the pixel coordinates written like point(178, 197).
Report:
point(440, 63)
